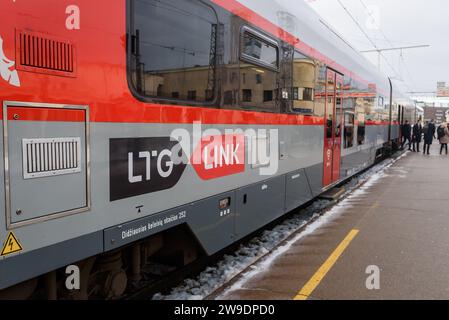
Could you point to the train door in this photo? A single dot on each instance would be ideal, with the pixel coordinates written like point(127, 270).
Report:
point(338, 128)
point(400, 122)
point(333, 128)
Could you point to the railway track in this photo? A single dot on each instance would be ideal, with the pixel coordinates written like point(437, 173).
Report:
point(162, 288)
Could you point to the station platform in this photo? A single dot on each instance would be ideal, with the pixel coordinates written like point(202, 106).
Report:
point(397, 222)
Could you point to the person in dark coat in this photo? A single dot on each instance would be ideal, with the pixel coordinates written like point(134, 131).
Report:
point(407, 135)
point(429, 134)
point(417, 136)
point(444, 137)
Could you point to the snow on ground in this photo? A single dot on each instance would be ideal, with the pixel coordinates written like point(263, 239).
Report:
point(264, 249)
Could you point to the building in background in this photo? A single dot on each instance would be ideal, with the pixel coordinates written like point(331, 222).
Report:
point(442, 90)
point(433, 107)
point(439, 114)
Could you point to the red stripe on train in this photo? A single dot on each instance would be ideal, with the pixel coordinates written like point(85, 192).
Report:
point(381, 123)
point(188, 115)
point(170, 114)
point(45, 114)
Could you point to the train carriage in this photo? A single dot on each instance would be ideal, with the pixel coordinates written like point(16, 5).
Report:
point(161, 130)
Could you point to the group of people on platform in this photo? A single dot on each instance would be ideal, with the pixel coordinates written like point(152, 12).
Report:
point(415, 134)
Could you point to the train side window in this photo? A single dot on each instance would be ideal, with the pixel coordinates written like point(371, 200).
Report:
point(361, 135)
point(304, 79)
point(320, 90)
point(361, 128)
point(349, 130)
point(258, 49)
point(259, 70)
point(173, 47)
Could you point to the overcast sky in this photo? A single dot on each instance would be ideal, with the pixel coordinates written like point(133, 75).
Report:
point(403, 23)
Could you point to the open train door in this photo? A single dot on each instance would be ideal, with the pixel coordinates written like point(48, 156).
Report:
point(333, 128)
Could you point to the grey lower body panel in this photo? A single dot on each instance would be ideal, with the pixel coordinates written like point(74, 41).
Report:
point(298, 190)
point(353, 163)
point(213, 226)
point(315, 178)
point(35, 263)
point(259, 204)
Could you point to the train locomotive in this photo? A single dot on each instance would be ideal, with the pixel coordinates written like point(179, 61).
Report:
point(157, 131)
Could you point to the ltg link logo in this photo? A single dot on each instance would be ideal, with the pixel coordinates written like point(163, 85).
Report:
point(215, 154)
point(144, 165)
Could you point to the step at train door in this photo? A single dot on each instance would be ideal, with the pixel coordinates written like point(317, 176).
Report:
point(333, 128)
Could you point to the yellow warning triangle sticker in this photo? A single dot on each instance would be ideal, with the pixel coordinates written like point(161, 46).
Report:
point(11, 245)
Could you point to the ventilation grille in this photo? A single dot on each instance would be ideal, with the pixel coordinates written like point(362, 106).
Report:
point(41, 54)
point(51, 157)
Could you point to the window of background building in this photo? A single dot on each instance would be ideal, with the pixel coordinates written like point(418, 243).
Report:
point(209, 94)
point(191, 95)
point(234, 77)
point(171, 49)
point(267, 95)
point(247, 95)
point(228, 98)
point(303, 94)
point(259, 63)
point(307, 94)
point(159, 89)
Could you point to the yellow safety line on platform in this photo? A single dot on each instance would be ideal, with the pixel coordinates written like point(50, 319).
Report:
point(313, 283)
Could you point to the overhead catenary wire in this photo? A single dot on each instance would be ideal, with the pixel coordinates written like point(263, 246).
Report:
point(390, 43)
point(374, 19)
point(356, 22)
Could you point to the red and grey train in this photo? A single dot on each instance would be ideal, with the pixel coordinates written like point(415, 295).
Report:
point(143, 131)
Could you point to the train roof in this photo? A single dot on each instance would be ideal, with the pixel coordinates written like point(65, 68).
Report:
point(300, 20)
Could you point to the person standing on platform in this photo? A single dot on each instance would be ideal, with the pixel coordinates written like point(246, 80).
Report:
point(443, 136)
point(417, 136)
point(429, 134)
point(407, 135)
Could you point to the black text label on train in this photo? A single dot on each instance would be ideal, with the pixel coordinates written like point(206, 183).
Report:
point(143, 165)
